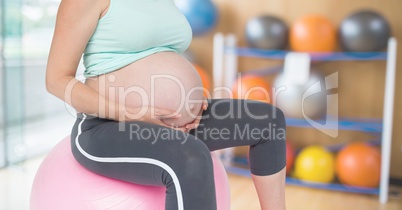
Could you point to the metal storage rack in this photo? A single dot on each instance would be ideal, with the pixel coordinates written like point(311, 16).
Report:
point(225, 56)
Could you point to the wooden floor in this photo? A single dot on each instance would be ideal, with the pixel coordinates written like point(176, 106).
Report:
point(15, 183)
point(244, 197)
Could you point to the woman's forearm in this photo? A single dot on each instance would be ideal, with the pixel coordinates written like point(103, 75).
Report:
point(84, 99)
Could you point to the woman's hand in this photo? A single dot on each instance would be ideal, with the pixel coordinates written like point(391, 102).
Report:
point(197, 120)
point(150, 114)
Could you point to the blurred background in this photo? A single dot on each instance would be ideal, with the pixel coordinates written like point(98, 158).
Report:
point(28, 115)
point(32, 121)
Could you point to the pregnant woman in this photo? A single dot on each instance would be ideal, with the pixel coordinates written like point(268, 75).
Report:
point(141, 114)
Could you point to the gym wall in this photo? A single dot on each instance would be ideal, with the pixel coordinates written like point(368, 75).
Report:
point(361, 84)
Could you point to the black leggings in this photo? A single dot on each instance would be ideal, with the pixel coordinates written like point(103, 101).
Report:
point(149, 154)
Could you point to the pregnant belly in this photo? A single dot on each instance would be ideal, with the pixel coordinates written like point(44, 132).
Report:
point(165, 80)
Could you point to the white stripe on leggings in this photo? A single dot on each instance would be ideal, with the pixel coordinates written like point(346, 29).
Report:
point(133, 160)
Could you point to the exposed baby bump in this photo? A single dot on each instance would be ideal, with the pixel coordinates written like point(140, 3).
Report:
point(182, 95)
point(164, 80)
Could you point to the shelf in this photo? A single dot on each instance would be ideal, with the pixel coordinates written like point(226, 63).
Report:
point(225, 67)
point(297, 182)
point(331, 56)
point(365, 125)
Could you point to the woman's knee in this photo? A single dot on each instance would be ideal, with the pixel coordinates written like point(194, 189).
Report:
point(278, 117)
point(263, 111)
point(268, 156)
point(273, 114)
point(272, 122)
point(193, 162)
point(277, 123)
point(196, 159)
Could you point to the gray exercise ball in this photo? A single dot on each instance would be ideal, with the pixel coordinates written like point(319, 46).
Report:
point(267, 32)
point(289, 97)
point(364, 31)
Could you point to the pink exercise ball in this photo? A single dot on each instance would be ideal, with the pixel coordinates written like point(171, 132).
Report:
point(62, 183)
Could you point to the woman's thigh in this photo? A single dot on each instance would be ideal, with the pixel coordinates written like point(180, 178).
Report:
point(137, 152)
point(148, 154)
point(238, 122)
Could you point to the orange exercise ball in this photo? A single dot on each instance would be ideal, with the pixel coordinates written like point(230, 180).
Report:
point(253, 88)
point(359, 164)
point(206, 80)
point(313, 33)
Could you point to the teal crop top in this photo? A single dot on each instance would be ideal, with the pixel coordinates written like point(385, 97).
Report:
point(134, 29)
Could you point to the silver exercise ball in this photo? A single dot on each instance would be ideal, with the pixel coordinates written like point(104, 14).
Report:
point(364, 31)
point(290, 100)
point(267, 32)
